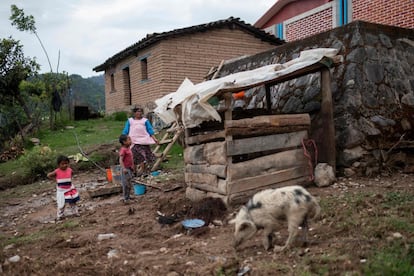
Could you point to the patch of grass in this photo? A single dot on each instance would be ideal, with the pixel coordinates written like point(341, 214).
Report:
point(28, 239)
point(274, 267)
point(396, 198)
point(43, 234)
point(396, 259)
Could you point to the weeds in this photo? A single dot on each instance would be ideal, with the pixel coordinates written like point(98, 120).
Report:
point(396, 259)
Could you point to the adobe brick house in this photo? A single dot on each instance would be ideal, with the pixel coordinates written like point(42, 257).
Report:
point(296, 19)
point(157, 64)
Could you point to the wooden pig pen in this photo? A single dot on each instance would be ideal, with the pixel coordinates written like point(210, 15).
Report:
point(245, 153)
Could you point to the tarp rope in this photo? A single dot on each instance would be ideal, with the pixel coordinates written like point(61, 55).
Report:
point(312, 160)
point(85, 155)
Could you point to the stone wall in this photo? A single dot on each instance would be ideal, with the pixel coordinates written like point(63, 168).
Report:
point(373, 92)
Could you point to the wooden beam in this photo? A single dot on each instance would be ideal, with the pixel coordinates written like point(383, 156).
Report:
point(219, 170)
point(273, 162)
point(243, 197)
point(270, 121)
point(203, 138)
point(266, 143)
point(261, 131)
point(256, 182)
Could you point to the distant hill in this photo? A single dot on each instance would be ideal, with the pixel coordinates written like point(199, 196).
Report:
point(89, 92)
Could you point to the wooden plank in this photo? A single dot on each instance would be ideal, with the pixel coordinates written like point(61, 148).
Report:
point(205, 187)
point(104, 191)
point(206, 178)
point(270, 121)
point(228, 116)
point(243, 197)
point(260, 131)
point(265, 143)
point(218, 70)
point(259, 181)
point(203, 138)
point(219, 170)
point(272, 162)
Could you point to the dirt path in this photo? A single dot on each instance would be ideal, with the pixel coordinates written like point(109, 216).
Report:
point(141, 245)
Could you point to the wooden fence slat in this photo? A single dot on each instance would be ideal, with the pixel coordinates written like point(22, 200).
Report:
point(219, 170)
point(267, 130)
point(270, 120)
point(266, 143)
point(272, 162)
point(243, 197)
point(206, 178)
point(259, 181)
point(202, 138)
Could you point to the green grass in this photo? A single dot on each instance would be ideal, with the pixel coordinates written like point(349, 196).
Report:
point(396, 259)
point(41, 234)
point(85, 133)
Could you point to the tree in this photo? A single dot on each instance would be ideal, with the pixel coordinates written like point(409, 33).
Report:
point(14, 68)
point(26, 23)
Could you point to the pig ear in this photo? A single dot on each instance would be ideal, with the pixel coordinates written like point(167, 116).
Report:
point(244, 226)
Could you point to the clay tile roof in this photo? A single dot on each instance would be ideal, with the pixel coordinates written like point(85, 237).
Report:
point(155, 37)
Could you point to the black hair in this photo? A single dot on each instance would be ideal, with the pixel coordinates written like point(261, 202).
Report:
point(62, 158)
point(123, 138)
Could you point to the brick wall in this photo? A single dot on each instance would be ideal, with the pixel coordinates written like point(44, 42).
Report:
point(398, 13)
point(172, 60)
point(316, 23)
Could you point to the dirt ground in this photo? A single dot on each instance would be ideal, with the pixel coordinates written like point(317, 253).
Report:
point(34, 244)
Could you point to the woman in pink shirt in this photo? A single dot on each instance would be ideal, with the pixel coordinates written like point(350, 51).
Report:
point(142, 136)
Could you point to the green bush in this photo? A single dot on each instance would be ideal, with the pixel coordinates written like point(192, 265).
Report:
point(120, 116)
point(39, 161)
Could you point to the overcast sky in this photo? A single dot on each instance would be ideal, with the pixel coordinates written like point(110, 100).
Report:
point(87, 32)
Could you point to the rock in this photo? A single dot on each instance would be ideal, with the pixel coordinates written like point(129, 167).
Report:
point(324, 175)
point(14, 259)
point(348, 172)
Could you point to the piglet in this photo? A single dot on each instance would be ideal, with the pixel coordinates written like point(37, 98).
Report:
point(268, 208)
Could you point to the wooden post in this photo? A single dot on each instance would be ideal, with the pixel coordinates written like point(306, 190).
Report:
point(268, 98)
point(228, 116)
point(327, 151)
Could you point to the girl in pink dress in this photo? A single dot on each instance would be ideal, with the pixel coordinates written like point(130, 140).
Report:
point(65, 191)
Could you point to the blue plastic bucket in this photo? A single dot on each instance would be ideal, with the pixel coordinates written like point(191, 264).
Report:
point(139, 189)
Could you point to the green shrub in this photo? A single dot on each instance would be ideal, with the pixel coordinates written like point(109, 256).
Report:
point(39, 160)
point(120, 116)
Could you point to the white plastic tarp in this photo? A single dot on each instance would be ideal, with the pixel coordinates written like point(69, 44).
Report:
point(194, 98)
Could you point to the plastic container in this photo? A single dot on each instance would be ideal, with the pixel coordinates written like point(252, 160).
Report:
point(109, 175)
point(155, 173)
point(108, 236)
point(139, 189)
point(116, 174)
